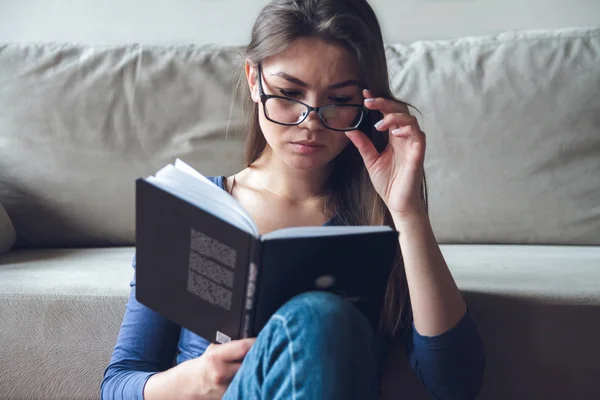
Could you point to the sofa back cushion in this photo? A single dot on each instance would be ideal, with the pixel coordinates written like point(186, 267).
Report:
point(513, 134)
point(80, 123)
point(512, 123)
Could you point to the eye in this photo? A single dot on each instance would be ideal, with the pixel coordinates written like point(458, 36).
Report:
point(341, 99)
point(289, 93)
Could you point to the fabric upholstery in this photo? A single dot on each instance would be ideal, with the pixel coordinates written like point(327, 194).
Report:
point(513, 129)
point(538, 308)
point(512, 122)
point(7, 231)
point(60, 313)
point(539, 312)
point(96, 118)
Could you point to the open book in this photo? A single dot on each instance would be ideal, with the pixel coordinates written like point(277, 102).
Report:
point(201, 263)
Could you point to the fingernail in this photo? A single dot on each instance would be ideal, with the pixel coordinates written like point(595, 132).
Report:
point(397, 130)
point(369, 100)
point(379, 123)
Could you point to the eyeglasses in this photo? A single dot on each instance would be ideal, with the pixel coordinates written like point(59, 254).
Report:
point(286, 111)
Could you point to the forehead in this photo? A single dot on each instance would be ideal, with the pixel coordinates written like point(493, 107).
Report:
point(315, 62)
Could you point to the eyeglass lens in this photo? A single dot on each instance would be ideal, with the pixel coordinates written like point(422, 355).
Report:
point(289, 111)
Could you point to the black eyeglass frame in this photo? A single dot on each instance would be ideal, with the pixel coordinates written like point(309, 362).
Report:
point(264, 97)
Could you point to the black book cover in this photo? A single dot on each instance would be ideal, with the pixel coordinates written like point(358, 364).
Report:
point(191, 266)
point(223, 283)
point(354, 266)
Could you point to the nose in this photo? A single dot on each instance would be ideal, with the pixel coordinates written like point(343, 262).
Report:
point(312, 122)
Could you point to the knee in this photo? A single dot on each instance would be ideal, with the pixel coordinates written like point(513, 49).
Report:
point(318, 304)
point(322, 312)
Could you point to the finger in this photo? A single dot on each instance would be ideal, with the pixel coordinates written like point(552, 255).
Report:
point(367, 94)
point(231, 369)
point(397, 120)
point(403, 131)
point(384, 105)
point(408, 132)
point(235, 350)
point(227, 372)
point(365, 147)
point(222, 373)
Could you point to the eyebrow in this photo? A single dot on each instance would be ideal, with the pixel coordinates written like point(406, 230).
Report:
point(298, 82)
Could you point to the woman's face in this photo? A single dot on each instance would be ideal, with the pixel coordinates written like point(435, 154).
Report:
point(318, 74)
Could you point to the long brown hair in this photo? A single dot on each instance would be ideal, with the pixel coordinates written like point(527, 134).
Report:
point(353, 25)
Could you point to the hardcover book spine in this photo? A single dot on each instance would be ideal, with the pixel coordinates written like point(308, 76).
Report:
point(250, 301)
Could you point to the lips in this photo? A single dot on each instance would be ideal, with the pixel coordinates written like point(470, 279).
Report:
point(307, 147)
point(308, 143)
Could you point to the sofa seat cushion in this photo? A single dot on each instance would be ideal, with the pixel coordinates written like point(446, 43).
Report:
point(539, 312)
point(553, 274)
point(538, 308)
point(60, 313)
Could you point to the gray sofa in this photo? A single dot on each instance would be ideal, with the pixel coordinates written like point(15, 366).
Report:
point(513, 125)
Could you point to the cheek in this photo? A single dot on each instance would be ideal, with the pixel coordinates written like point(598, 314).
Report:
point(339, 142)
point(273, 133)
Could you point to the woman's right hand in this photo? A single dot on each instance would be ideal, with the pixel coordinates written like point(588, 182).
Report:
point(209, 376)
point(204, 378)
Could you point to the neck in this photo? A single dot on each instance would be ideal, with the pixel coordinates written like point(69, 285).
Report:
point(280, 179)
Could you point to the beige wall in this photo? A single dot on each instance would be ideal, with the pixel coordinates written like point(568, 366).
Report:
point(229, 21)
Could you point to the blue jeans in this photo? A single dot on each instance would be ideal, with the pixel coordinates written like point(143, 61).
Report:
point(317, 346)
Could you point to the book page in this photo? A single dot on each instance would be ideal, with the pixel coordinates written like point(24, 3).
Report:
point(219, 195)
point(215, 209)
point(201, 192)
point(207, 192)
point(181, 165)
point(222, 194)
point(314, 231)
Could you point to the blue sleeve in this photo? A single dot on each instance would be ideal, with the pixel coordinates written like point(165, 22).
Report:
point(450, 365)
point(146, 345)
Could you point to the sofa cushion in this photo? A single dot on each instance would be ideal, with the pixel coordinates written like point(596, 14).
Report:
point(80, 123)
point(7, 231)
point(60, 313)
point(538, 308)
point(512, 124)
point(539, 311)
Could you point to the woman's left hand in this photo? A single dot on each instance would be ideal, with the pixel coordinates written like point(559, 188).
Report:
point(396, 172)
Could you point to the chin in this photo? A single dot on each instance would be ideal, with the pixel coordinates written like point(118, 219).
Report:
point(304, 163)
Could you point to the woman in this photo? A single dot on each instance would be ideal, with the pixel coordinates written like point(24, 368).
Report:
point(316, 72)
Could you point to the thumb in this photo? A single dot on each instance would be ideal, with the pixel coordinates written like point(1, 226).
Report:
point(235, 350)
point(365, 147)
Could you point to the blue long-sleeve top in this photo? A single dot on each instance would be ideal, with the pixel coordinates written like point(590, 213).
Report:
point(449, 365)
